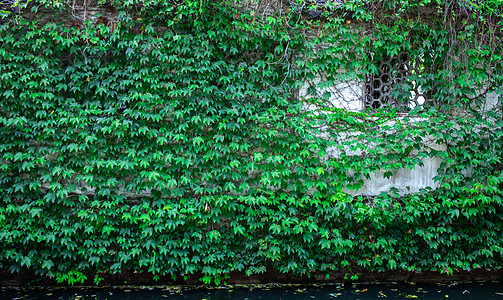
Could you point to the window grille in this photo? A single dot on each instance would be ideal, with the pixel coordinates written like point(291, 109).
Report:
point(391, 81)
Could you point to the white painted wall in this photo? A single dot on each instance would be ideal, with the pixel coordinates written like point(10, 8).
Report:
point(344, 95)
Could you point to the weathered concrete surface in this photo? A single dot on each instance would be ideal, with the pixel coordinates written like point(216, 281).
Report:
point(405, 181)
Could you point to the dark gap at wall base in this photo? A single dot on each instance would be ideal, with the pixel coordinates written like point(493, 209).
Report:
point(128, 278)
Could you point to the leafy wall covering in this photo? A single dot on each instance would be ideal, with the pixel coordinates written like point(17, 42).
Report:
point(169, 137)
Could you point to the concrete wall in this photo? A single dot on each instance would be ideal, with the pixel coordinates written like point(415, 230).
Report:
point(349, 96)
point(405, 181)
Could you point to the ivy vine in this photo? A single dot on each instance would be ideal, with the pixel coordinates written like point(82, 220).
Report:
point(172, 137)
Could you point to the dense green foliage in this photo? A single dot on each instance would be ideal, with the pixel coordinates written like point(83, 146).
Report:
point(171, 139)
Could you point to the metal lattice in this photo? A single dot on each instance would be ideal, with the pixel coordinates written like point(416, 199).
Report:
point(391, 80)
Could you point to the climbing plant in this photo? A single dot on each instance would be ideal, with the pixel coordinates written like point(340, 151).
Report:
point(200, 138)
